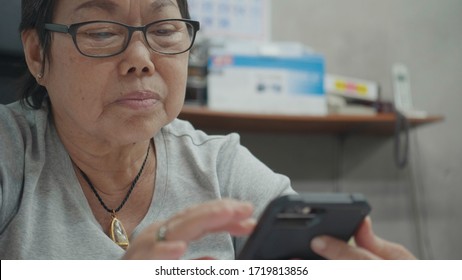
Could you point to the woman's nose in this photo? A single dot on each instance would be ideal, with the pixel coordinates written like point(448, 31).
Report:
point(138, 57)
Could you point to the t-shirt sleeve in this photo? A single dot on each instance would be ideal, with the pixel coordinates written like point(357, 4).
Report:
point(11, 164)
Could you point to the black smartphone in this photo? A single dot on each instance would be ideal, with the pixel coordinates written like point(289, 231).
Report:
point(289, 223)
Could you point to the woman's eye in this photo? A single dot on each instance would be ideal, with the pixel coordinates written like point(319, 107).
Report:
point(100, 35)
point(163, 32)
point(165, 29)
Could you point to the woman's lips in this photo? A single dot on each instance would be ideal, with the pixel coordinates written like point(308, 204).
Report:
point(139, 100)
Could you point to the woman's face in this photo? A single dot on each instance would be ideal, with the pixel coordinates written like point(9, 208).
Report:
point(121, 99)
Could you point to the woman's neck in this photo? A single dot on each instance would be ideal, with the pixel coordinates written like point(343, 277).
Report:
point(117, 167)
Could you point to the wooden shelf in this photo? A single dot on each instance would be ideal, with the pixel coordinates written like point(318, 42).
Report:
point(381, 124)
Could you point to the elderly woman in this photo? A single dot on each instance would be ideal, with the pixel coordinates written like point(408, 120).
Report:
point(94, 163)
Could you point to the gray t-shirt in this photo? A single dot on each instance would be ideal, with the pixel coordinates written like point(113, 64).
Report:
point(45, 215)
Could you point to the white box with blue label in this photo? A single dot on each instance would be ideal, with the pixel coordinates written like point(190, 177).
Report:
point(269, 82)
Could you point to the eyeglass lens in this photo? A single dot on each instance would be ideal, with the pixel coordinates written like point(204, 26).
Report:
point(107, 38)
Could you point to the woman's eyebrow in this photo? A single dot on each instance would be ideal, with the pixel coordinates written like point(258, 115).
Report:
point(106, 5)
point(159, 4)
point(110, 6)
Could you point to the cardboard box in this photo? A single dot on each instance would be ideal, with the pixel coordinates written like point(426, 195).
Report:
point(262, 83)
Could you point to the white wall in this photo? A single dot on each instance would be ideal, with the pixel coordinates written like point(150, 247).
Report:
point(363, 38)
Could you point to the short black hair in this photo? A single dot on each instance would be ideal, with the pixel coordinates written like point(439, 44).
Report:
point(34, 15)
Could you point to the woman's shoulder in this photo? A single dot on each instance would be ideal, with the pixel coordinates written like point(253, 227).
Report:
point(12, 118)
point(19, 130)
point(16, 114)
point(185, 144)
point(19, 124)
point(185, 132)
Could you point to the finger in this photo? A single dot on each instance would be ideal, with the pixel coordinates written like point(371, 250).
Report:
point(243, 228)
point(334, 249)
point(216, 216)
point(226, 215)
point(171, 250)
point(146, 246)
point(205, 259)
point(366, 239)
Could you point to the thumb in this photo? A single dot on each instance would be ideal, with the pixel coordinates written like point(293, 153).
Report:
point(365, 238)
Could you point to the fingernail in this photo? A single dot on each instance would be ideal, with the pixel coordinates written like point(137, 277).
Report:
point(249, 223)
point(318, 244)
point(178, 246)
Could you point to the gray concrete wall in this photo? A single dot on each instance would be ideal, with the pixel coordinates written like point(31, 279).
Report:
point(417, 206)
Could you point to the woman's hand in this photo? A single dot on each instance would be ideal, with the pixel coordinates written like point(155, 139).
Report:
point(191, 224)
point(368, 246)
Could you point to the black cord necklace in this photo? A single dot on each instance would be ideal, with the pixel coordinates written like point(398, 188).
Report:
point(117, 231)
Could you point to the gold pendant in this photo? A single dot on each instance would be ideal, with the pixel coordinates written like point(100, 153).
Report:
point(118, 233)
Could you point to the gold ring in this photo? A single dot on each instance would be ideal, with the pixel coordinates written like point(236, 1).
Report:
point(162, 233)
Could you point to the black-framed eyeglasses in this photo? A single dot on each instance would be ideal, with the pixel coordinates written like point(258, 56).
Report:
point(107, 38)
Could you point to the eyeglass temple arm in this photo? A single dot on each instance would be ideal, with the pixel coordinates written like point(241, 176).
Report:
point(57, 27)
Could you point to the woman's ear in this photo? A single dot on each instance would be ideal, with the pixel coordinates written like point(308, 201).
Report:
point(33, 53)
